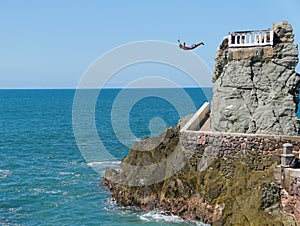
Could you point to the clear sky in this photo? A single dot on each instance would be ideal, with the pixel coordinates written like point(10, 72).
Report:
point(50, 43)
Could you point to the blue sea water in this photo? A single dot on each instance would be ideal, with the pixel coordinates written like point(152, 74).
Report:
point(44, 179)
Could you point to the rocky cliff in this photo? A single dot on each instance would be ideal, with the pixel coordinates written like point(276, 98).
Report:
point(256, 88)
point(217, 178)
point(233, 190)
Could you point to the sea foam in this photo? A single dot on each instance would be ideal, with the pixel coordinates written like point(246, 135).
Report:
point(4, 174)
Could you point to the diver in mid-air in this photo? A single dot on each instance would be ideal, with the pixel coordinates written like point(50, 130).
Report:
point(189, 47)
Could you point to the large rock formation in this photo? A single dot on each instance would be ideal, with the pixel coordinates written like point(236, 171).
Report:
point(256, 88)
point(233, 190)
point(223, 179)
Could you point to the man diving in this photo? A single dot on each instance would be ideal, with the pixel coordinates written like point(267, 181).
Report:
point(184, 47)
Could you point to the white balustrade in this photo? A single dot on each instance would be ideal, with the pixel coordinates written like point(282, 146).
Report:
point(250, 38)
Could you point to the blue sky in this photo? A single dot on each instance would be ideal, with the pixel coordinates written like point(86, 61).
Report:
point(50, 44)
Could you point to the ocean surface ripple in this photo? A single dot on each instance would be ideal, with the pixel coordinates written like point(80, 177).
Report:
point(44, 180)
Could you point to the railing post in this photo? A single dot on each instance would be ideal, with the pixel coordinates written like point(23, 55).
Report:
point(260, 38)
point(271, 36)
point(249, 38)
point(255, 38)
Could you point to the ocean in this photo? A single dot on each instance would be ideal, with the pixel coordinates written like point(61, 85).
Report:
point(45, 179)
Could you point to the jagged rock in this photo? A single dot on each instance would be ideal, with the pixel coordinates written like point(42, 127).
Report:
point(283, 32)
point(256, 88)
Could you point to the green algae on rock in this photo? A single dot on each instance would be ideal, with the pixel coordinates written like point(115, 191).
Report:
point(246, 196)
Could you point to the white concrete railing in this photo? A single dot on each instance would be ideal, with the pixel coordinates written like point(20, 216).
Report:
point(197, 119)
point(250, 38)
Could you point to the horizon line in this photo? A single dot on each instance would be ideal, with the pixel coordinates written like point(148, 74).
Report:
point(71, 88)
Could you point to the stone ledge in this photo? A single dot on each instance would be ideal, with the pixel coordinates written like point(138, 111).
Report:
point(249, 53)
